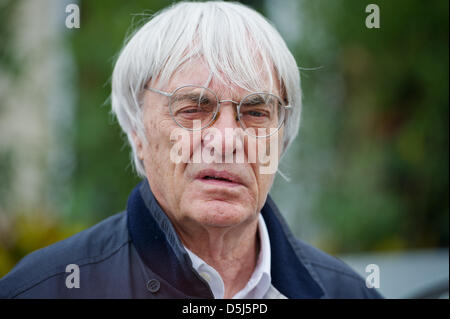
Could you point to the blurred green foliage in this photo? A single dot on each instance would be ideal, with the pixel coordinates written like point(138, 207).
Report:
point(379, 106)
point(23, 233)
point(373, 140)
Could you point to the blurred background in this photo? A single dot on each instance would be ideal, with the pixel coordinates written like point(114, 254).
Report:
point(368, 171)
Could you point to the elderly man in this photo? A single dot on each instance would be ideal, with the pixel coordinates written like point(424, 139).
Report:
point(209, 97)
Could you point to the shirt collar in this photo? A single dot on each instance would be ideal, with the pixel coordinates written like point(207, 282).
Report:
point(259, 282)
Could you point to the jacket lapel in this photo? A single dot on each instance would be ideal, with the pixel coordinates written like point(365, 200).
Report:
point(158, 245)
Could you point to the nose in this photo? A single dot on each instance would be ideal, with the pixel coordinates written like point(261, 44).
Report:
point(227, 116)
point(224, 125)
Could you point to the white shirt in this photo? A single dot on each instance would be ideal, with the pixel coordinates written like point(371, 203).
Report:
point(259, 285)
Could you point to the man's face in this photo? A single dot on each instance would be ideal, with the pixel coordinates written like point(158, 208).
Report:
point(188, 192)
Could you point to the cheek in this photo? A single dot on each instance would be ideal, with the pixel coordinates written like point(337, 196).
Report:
point(264, 184)
point(158, 130)
point(268, 155)
point(156, 151)
point(280, 141)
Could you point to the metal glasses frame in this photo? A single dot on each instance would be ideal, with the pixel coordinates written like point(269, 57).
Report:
point(169, 95)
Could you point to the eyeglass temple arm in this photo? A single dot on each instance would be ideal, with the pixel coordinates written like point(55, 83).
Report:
point(157, 91)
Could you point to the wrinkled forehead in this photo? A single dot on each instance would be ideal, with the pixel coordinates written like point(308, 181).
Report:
point(232, 86)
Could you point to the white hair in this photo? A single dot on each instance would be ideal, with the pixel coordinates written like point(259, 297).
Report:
point(236, 42)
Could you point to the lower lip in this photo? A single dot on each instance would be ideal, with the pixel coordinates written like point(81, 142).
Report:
point(218, 182)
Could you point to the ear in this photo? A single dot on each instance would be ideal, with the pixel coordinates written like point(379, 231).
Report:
point(139, 145)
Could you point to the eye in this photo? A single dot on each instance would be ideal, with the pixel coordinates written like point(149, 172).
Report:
point(256, 113)
point(190, 110)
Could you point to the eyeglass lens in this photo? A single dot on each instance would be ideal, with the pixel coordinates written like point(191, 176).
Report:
point(259, 113)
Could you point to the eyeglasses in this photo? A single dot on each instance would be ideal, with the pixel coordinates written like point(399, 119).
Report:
point(259, 114)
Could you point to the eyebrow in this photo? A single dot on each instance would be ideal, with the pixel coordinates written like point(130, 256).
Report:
point(254, 100)
point(194, 97)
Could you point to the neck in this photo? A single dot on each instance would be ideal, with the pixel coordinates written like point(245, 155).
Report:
point(232, 252)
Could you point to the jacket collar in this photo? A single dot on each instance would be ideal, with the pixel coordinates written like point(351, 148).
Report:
point(160, 248)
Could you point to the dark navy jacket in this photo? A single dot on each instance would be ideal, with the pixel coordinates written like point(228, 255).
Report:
point(137, 254)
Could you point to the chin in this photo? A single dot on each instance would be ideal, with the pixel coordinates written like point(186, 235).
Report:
point(222, 214)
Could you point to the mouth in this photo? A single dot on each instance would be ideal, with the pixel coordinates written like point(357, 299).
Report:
point(219, 178)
